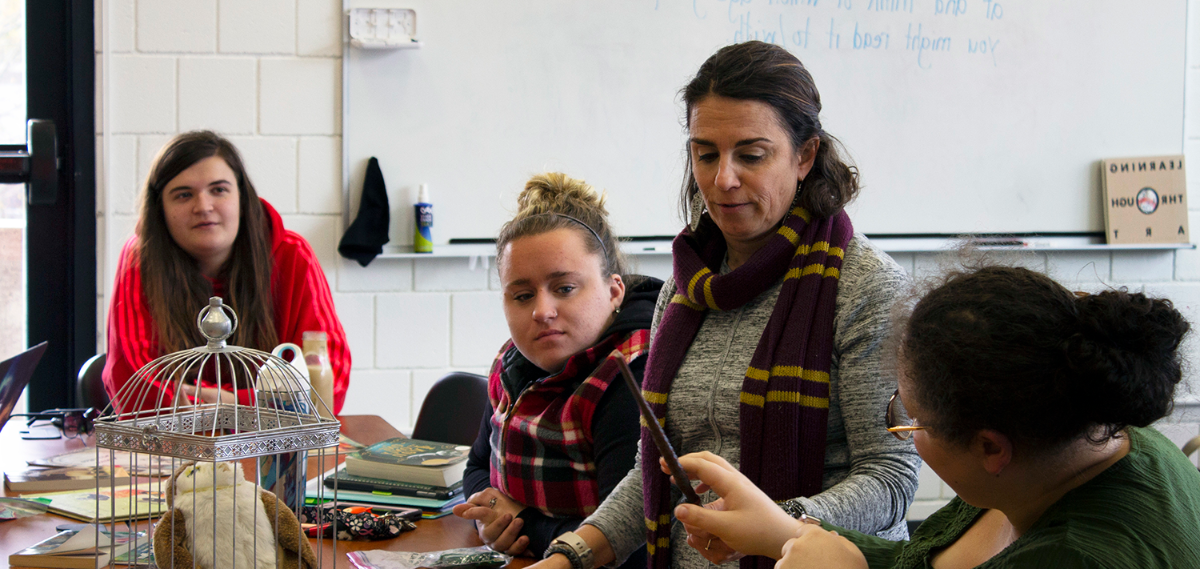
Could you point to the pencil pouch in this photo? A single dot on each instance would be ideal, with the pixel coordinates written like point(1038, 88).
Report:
point(345, 525)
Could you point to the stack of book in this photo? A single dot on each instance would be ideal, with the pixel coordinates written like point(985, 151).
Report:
point(398, 472)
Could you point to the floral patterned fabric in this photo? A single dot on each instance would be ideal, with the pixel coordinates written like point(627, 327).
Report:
point(363, 526)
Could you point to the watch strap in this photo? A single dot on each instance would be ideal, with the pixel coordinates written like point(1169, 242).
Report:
point(796, 510)
point(573, 557)
point(792, 508)
point(575, 548)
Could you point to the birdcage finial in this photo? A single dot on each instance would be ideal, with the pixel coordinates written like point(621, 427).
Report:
point(214, 324)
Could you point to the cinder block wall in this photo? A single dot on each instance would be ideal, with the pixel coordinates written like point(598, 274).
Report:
point(268, 75)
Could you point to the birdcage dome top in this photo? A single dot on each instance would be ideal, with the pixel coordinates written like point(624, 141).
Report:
point(275, 409)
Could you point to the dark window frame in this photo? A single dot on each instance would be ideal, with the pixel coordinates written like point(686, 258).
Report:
point(61, 238)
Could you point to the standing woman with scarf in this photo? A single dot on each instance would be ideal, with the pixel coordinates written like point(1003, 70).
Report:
point(767, 342)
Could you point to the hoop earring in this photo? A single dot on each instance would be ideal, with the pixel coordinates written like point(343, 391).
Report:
point(696, 211)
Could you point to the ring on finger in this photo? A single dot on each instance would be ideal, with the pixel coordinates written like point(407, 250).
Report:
point(706, 547)
point(492, 503)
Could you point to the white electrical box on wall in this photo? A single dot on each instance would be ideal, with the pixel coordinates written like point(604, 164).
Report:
point(383, 28)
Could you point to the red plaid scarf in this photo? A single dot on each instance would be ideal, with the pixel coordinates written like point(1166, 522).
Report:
point(785, 393)
point(542, 454)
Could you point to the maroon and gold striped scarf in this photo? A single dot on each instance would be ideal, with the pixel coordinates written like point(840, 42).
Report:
point(785, 393)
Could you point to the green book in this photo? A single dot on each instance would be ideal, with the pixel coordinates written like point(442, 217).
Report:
point(411, 460)
point(346, 481)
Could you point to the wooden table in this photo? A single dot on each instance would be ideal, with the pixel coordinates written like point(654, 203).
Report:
point(431, 535)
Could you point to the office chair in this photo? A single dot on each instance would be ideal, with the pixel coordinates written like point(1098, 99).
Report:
point(89, 387)
point(453, 409)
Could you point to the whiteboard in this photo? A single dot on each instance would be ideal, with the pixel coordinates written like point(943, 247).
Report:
point(964, 116)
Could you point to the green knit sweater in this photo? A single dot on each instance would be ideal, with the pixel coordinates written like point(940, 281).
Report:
point(1144, 511)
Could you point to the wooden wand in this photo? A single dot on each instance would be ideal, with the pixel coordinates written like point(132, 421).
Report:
point(660, 439)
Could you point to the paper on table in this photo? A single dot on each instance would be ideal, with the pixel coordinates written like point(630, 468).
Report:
point(146, 464)
point(119, 502)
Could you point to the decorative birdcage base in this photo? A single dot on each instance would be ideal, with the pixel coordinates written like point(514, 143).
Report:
point(252, 432)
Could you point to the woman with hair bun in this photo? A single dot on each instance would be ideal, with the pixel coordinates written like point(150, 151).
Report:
point(564, 427)
point(203, 231)
point(1033, 404)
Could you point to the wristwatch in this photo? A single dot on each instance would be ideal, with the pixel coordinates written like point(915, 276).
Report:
point(575, 548)
point(796, 510)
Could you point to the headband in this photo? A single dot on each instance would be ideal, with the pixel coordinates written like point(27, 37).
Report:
point(585, 226)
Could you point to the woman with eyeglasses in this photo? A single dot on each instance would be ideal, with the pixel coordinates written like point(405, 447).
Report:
point(1032, 403)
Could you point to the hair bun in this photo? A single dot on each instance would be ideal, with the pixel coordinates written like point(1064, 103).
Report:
point(555, 192)
point(1125, 356)
point(580, 208)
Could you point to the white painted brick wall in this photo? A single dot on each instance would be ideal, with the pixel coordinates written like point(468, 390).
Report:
point(148, 147)
point(392, 275)
point(300, 96)
point(1145, 266)
point(383, 392)
point(218, 93)
point(478, 328)
point(320, 174)
point(271, 164)
point(357, 313)
point(268, 74)
point(262, 26)
point(124, 193)
point(188, 26)
point(412, 330)
point(449, 274)
point(322, 233)
point(318, 28)
point(148, 105)
point(1080, 266)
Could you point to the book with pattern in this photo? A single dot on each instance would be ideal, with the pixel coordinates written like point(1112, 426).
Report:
point(411, 460)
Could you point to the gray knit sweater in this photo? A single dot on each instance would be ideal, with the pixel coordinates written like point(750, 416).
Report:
point(870, 476)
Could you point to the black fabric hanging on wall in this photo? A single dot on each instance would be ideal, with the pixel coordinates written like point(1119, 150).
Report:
point(364, 239)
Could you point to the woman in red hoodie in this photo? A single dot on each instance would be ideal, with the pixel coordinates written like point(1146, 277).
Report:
point(203, 231)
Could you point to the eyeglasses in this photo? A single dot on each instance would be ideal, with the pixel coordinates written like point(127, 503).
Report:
point(899, 424)
point(72, 422)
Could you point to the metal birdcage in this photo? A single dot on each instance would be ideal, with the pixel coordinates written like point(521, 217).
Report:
point(276, 419)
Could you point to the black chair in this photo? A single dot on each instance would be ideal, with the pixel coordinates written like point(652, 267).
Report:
point(453, 409)
point(89, 387)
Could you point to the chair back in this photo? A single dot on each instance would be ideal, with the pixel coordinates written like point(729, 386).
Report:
point(453, 409)
point(89, 387)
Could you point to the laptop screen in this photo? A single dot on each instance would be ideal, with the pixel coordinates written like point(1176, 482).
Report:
point(14, 376)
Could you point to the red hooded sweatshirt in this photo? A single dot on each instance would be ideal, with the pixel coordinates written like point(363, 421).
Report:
point(300, 295)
